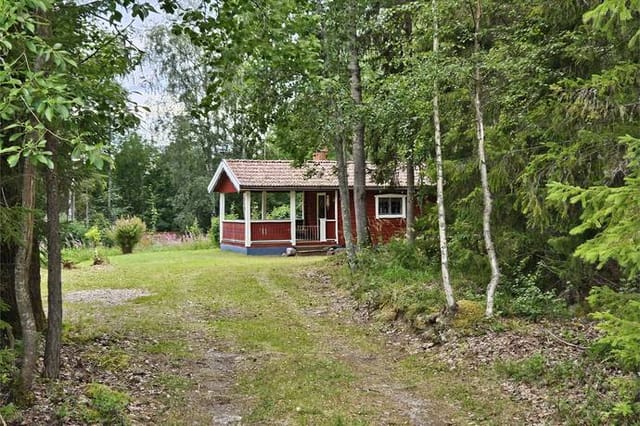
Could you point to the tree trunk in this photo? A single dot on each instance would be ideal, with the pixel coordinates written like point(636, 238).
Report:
point(34, 286)
point(359, 163)
point(411, 196)
point(442, 224)
point(345, 209)
point(486, 191)
point(54, 260)
point(23, 296)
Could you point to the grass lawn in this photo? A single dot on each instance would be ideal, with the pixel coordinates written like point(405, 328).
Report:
point(205, 336)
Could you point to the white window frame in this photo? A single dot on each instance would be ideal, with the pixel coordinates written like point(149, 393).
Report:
point(402, 215)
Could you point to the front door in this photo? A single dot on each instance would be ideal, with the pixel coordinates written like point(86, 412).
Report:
point(322, 216)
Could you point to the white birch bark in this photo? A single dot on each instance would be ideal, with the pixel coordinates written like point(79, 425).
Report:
point(482, 160)
point(442, 224)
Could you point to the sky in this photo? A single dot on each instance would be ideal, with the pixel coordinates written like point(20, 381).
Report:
point(143, 85)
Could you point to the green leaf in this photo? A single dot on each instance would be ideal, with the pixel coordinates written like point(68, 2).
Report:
point(48, 113)
point(14, 137)
point(13, 159)
point(9, 149)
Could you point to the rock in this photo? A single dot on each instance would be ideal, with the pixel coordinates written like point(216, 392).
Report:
point(290, 251)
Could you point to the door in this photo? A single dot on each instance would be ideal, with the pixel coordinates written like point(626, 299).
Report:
point(322, 216)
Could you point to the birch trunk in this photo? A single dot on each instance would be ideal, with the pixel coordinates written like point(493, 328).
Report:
point(442, 224)
point(23, 296)
point(54, 277)
point(359, 163)
point(486, 191)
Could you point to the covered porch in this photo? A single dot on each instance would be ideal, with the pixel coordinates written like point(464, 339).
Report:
point(256, 221)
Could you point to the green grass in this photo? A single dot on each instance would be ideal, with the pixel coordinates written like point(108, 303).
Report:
point(295, 366)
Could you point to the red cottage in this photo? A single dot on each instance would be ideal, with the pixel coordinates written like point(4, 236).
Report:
point(268, 206)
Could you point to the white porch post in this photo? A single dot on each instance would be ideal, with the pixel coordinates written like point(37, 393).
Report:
point(247, 218)
point(221, 214)
point(335, 205)
point(263, 204)
point(292, 215)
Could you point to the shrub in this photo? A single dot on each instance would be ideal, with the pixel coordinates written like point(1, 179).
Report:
point(128, 232)
point(618, 316)
point(214, 231)
point(93, 235)
point(522, 296)
point(72, 233)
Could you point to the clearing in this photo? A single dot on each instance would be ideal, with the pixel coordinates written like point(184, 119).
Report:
point(205, 337)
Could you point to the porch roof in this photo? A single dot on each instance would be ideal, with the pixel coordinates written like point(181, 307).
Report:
point(281, 175)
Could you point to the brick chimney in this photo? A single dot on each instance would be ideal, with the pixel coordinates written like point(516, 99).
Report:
point(320, 155)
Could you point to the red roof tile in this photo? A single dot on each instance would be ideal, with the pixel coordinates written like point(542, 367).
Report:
point(264, 174)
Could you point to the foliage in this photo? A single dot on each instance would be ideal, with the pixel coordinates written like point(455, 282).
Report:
point(8, 368)
point(522, 296)
point(127, 232)
point(393, 279)
point(73, 234)
point(10, 412)
point(193, 230)
point(618, 317)
point(528, 370)
point(214, 231)
point(106, 406)
point(611, 212)
point(93, 235)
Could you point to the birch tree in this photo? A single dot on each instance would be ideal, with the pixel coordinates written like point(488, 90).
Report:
point(442, 224)
point(482, 162)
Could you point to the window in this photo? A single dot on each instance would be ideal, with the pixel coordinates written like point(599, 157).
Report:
point(390, 206)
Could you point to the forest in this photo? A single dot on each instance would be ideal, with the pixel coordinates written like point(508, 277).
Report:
point(521, 116)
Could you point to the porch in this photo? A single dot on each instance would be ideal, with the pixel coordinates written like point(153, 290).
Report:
point(268, 222)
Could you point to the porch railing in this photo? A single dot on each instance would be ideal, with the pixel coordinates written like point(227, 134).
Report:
point(271, 230)
point(307, 233)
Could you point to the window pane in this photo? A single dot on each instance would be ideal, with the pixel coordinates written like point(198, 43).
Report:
point(396, 205)
point(383, 206)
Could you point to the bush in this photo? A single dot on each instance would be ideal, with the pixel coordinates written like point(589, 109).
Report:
point(521, 296)
point(93, 235)
point(72, 233)
point(128, 232)
point(618, 316)
point(214, 231)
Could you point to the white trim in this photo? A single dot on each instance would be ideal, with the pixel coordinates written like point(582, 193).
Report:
point(223, 167)
point(235, 221)
point(221, 213)
point(292, 216)
point(402, 215)
point(246, 199)
point(322, 222)
point(271, 221)
point(263, 206)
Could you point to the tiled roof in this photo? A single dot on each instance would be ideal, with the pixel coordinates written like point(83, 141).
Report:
point(260, 174)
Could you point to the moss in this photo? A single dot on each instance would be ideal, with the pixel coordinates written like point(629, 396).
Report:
point(469, 315)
